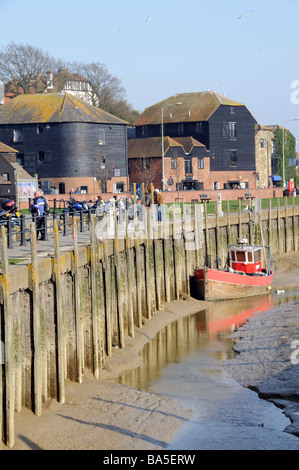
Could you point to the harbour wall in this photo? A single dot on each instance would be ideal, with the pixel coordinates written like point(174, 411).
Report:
point(64, 314)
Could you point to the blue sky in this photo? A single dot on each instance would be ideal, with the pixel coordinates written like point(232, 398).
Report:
point(161, 47)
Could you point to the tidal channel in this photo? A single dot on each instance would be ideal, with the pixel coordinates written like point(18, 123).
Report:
point(184, 362)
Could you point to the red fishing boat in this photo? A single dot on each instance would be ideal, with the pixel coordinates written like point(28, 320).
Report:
point(242, 276)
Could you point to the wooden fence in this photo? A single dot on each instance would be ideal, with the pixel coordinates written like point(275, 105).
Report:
point(64, 314)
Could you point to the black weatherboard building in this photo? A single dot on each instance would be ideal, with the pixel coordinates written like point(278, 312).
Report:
point(66, 141)
point(225, 127)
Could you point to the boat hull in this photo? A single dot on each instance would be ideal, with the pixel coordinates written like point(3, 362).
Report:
point(214, 284)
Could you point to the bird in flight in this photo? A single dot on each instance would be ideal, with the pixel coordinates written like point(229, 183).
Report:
point(245, 14)
point(148, 19)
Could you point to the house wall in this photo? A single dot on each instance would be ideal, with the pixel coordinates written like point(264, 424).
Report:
point(212, 137)
point(244, 143)
point(70, 149)
point(263, 156)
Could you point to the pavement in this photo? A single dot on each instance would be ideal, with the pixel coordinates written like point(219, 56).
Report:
point(46, 247)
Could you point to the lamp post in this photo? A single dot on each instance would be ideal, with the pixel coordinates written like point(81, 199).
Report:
point(162, 134)
point(283, 166)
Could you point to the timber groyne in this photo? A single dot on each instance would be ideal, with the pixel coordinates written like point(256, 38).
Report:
point(64, 314)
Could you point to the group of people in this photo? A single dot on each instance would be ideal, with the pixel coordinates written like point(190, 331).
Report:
point(40, 207)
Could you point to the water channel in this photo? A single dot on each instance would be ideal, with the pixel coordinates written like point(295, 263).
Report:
point(184, 362)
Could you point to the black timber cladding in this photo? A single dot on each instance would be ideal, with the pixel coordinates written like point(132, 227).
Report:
point(66, 149)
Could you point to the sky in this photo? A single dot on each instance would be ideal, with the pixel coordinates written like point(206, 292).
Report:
point(245, 49)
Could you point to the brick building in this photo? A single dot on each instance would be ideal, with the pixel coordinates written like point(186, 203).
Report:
point(223, 127)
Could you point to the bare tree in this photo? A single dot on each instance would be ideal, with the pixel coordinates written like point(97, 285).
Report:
point(23, 68)
point(106, 92)
point(146, 171)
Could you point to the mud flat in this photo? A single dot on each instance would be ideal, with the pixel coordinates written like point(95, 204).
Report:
point(104, 415)
point(267, 348)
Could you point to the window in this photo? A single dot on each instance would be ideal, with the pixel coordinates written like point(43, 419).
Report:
point(18, 136)
point(144, 131)
point(41, 156)
point(145, 163)
point(257, 256)
point(117, 172)
point(273, 150)
point(200, 162)
point(40, 129)
point(84, 189)
point(20, 159)
point(230, 158)
point(232, 130)
point(180, 128)
point(6, 176)
point(120, 187)
point(229, 130)
point(101, 136)
point(188, 167)
point(241, 256)
point(263, 143)
point(198, 127)
point(216, 185)
point(173, 163)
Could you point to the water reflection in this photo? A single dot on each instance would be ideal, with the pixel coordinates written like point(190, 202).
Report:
point(194, 332)
point(184, 362)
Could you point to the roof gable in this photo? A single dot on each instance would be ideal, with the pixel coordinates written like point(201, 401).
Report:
point(53, 107)
point(150, 147)
point(198, 106)
point(6, 149)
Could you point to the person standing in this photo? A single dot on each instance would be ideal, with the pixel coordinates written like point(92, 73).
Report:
point(40, 209)
point(159, 203)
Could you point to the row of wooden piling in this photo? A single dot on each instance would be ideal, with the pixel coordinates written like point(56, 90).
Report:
point(115, 285)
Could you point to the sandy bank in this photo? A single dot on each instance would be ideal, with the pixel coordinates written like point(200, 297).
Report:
point(104, 415)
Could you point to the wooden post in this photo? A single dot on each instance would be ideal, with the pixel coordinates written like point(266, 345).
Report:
point(60, 319)
point(239, 219)
point(176, 235)
point(152, 193)
point(94, 297)
point(36, 323)
point(130, 272)
point(287, 232)
point(119, 296)
point(295, 228)
point(208, 253)
point(79, 361)
point(148, 264)
point(107, 272)
point(278, 226)
point(270, 223)
point(9, 396)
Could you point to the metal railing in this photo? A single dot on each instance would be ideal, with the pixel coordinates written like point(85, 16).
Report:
point(18, 230)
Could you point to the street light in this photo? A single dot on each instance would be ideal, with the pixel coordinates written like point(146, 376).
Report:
point(283, 167)
point(162, 133)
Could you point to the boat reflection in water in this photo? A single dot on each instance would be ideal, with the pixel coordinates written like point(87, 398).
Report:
point(192, 333)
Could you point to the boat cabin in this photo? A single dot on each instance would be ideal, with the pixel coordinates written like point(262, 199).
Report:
point(246, 258)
